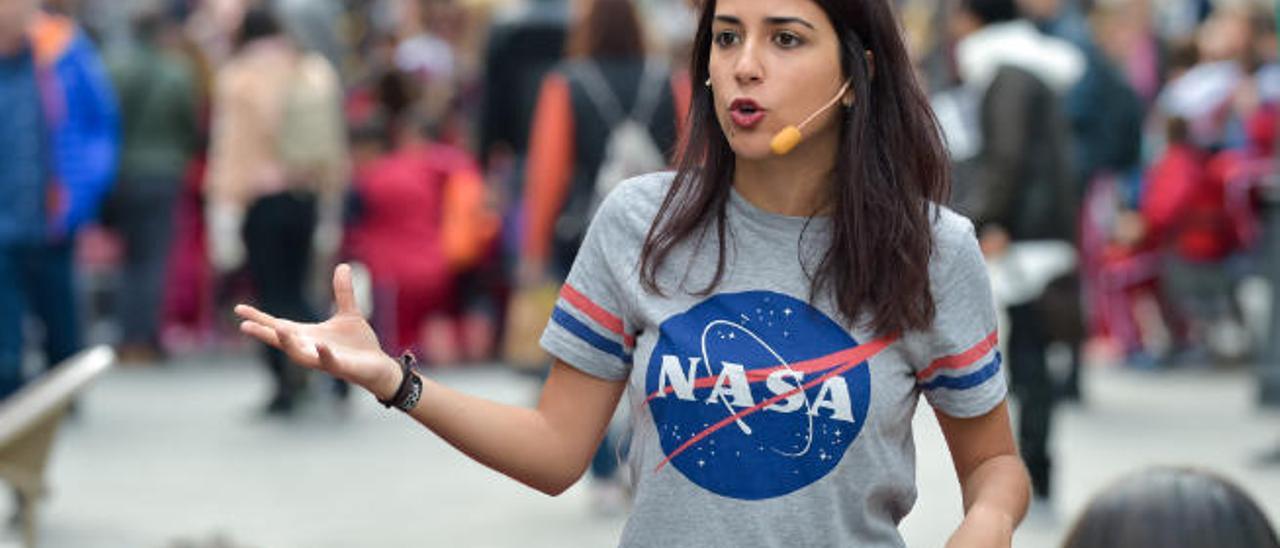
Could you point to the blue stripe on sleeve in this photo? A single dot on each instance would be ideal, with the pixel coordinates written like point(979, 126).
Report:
point(579, 329)
point(966, 381)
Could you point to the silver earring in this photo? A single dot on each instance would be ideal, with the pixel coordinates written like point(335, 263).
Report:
point(708, 82)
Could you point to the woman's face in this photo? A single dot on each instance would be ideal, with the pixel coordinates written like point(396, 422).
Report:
point(772, 64)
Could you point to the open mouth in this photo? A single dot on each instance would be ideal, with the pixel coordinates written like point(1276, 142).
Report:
point(746, 113)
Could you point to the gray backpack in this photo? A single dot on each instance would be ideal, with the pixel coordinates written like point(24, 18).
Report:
point(630, 149)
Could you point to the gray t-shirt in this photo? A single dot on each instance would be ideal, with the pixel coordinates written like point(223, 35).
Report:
point(758, 419)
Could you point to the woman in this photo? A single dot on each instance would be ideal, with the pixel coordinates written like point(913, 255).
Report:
point(276, 173)
point(731, 299)
point(607, 78)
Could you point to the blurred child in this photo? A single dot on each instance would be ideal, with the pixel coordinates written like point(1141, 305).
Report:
point(420, 219)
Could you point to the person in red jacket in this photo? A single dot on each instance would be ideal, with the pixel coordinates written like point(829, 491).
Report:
point(412, 230)
point(1184, 210)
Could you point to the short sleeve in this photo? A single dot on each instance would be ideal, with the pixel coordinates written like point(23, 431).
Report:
point(587, 329)
point(961, 374)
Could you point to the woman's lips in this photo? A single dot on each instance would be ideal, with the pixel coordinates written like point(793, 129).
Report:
point(746, 113)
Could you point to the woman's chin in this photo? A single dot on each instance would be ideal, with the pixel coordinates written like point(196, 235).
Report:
point(751, 147)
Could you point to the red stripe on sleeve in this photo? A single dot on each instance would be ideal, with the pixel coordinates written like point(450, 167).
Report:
point(600, 315)
point(962, 360)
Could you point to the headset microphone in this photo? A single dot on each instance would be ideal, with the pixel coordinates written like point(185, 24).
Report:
point(787, 139)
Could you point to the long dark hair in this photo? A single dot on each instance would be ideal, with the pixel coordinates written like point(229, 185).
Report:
point(1172, 508)
point(890, 169)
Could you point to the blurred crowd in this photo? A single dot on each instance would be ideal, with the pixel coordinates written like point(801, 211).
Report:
point(1117, 157)
point(164, 159)
point(1167, 130)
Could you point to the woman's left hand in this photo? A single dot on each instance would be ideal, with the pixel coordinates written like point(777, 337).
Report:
point(983, 529)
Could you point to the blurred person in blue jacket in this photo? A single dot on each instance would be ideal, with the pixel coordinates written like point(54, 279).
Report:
point(59, 141)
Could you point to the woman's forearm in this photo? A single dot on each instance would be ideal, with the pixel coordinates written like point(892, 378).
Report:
point(999, 485)
point(516, 441)
point(546, 448)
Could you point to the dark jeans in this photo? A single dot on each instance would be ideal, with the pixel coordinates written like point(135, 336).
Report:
point(1033, 387)
point(277, 235)
point(144, 219)
point(36, 278)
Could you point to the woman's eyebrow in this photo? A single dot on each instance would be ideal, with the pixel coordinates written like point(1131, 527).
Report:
point(778, 21)
point(771, 21)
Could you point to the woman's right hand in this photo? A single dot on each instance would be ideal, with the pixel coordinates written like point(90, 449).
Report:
point(343, 346)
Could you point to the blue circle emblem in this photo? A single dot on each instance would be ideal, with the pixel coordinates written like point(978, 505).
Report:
point(753, 396)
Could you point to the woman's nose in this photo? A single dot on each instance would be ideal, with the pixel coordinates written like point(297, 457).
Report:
point(747, 68)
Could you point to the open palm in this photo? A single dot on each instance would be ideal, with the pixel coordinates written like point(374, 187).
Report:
point(344, 345)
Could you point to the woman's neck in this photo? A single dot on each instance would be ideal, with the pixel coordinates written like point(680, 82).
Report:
point(796, 184)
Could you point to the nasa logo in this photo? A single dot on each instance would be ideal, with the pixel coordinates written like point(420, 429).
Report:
point(756, 394)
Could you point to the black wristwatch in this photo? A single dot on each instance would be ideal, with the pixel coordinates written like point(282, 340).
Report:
point(410, 391)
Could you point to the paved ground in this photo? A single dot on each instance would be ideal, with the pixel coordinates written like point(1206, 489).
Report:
point(174, 456)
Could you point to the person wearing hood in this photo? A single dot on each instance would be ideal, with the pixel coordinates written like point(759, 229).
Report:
point(1021, 182)
point(1105, 111)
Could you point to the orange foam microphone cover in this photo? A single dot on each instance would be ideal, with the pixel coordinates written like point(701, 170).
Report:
point(785, 140)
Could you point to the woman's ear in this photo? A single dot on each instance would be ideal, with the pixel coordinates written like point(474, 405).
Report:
point(871, 64)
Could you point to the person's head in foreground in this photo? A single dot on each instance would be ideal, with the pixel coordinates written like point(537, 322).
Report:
point(1172, 508)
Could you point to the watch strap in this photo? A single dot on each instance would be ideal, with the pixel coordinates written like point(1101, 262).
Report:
point(410, 390)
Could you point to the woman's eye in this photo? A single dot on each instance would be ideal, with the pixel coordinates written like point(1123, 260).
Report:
point(787, 39)
point(726, 38)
